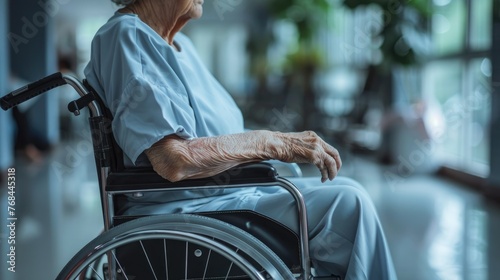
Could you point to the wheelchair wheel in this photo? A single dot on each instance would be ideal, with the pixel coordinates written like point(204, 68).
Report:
point(176, 246)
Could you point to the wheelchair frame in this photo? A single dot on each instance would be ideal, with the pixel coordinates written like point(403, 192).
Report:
point(110, 168)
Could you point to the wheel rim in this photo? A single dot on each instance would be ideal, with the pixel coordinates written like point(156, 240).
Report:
point(183, 225)
point(163, 234)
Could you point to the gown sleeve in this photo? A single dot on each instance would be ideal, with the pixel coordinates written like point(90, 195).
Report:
point(137, 74)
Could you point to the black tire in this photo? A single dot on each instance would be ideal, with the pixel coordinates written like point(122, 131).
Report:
point(201, 239)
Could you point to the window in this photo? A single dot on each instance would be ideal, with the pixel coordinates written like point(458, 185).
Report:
point(458, 80)
point(449, 21)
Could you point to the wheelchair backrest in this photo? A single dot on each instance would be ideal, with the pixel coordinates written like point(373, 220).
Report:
point(107, 151)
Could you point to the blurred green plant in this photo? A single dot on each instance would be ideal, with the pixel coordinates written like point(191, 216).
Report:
point(306, 15)
point(306, 58)
point(398, 15)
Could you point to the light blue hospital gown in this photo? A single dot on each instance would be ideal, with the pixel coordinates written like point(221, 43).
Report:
point(154, 90)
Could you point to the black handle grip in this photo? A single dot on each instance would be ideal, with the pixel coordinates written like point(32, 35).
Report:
point(31, 90)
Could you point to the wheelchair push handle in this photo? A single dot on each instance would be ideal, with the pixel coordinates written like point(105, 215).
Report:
point(29, 91)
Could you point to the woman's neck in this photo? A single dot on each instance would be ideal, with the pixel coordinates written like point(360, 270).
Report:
point(165, 19)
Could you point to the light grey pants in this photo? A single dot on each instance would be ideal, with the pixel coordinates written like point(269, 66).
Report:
point(345, 234)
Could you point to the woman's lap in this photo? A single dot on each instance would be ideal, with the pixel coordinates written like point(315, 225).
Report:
point(345, 235)
point(344, 231)
point(319, 198)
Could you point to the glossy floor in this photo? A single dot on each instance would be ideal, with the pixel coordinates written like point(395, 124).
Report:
point(436, 229)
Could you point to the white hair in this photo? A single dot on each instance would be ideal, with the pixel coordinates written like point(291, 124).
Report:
point(124, 2)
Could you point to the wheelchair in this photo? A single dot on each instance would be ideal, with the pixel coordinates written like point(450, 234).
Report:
point(239, 244)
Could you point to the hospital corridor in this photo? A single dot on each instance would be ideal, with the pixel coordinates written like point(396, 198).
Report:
point(407, 93)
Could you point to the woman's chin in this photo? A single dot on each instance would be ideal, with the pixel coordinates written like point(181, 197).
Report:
point(197, 13)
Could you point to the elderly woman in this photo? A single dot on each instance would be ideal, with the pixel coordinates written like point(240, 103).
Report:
point(171, 113)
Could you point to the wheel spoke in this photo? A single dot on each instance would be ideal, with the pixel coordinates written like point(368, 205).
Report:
point(165, 252)
point(120, 265)
point(96, 273)
point(206, 265)
point(231, 266)
point(186, 262)
point(147, 257)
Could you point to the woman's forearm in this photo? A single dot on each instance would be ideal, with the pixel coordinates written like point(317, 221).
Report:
point(177, 159)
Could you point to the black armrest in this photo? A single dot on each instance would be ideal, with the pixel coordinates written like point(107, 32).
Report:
point(140, 178)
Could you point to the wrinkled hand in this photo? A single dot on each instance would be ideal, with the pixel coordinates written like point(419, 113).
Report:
point(308, 147)
point(178, 159)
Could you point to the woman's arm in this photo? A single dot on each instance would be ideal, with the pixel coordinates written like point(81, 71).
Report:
point(178, 159)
